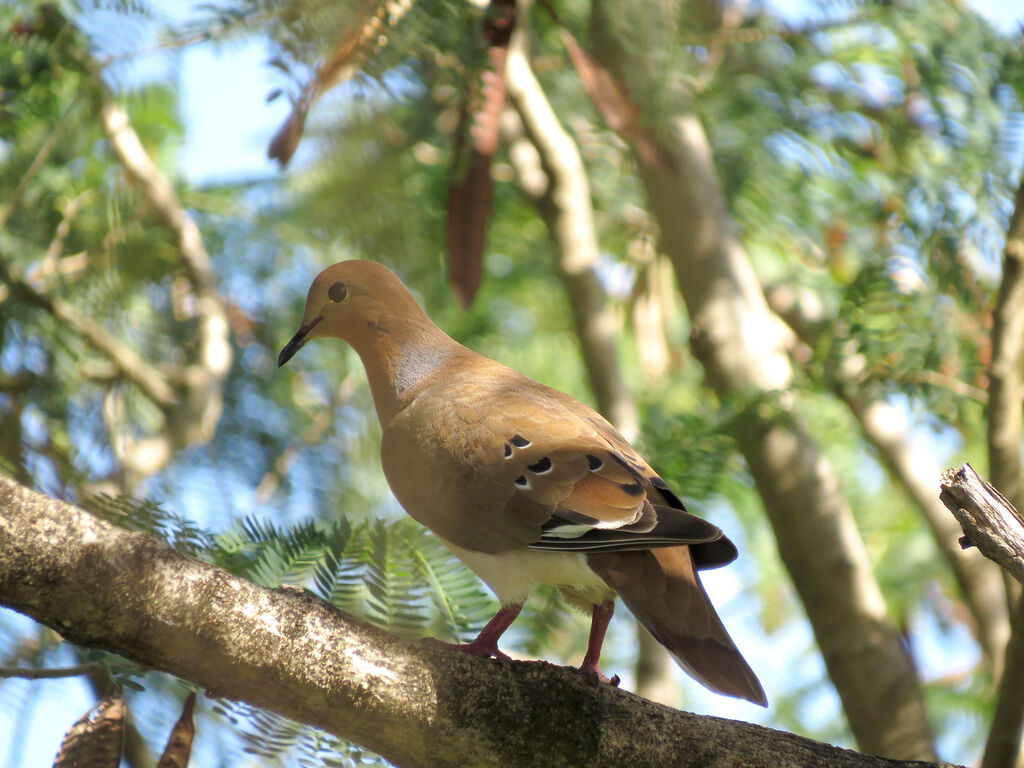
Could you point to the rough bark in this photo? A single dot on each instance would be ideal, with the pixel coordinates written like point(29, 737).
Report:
point(915, 469)
point(418, 703)
point(742, 346)
point(988, 520)
point(1006, 735)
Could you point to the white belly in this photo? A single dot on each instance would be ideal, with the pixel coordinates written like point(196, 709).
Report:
point(512, 576)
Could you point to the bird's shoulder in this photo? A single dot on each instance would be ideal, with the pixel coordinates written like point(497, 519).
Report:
point(499, 420)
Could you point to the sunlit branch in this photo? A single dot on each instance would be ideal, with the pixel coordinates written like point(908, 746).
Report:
point(989, 521)
point(416, 703)
point(202, 380)
point(951, 383)
point(165, 45)
point(566, 207)
point(128, 362)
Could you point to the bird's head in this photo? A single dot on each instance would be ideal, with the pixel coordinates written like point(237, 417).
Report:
point(353, 300)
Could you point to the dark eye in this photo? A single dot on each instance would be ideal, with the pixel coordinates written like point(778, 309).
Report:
point(337, 292)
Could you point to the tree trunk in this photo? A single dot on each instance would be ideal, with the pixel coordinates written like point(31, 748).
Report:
point(914, 468)
point(742, 346)
point(1006, 736)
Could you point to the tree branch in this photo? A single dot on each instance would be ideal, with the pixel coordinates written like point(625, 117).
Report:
point(1005, 386)
point(200, 384)
point(417, 703)
point(26, 673)
point(565, 205)
point(37, 162)
point(988, 520)
point(561, 193)
point(128, 362)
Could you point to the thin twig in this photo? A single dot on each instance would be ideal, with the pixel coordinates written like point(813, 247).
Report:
point(165, 45)
point(953, 384)
point(49, 674)
point(128, 362)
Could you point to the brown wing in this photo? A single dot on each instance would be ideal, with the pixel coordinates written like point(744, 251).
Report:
point(492, 461)
point(595, 493)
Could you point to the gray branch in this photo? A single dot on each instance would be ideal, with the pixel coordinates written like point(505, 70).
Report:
point(417, 703)
point(989, 521)
point(199, 384)
point(550, 171)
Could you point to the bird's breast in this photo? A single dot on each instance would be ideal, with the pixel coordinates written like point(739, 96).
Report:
point(514, 575)
point(445, 470)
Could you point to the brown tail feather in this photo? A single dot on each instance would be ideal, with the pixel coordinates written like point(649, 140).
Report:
point(662, 589)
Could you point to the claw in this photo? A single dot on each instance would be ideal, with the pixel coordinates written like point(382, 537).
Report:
point(476, 648)
point(486, 643)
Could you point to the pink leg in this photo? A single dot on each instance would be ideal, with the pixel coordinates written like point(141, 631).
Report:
point(599, 618)
point(486, 643)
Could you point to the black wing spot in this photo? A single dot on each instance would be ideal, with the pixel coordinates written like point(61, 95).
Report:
point(633, 489)
point(508, 451)
point(519, 441)
point(522, 482)
point(657, 482)
point(594, 463)
point(544, 465)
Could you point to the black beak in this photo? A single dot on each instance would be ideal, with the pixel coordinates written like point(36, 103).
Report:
point(298, 342)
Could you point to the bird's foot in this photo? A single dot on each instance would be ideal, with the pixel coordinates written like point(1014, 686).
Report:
point(475, 648)
point(593, 671)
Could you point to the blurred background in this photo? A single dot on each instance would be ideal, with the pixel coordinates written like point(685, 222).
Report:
point(855, 165)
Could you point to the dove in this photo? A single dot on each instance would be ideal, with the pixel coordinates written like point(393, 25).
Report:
point(525, 484)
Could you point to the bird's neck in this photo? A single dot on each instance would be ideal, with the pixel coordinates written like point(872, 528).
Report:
point(400, 360)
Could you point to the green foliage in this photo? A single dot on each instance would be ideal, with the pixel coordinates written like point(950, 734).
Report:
point(150, 517)
point(276, 740)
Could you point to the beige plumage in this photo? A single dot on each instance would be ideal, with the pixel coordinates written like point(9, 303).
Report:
point(524, 484)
